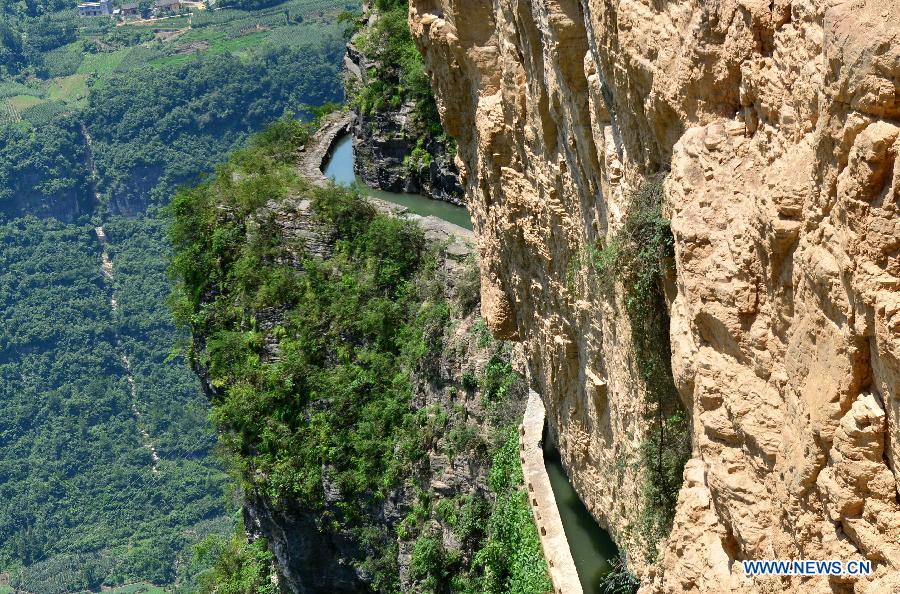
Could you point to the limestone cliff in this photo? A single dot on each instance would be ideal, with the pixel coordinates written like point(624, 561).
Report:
point(778, 125)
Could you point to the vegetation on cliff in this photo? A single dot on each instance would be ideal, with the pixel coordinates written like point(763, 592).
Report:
point(640, 256)
point(501, 552)
point(349, 321)
point(310, 352)
point(398, 74)
point(235, 566)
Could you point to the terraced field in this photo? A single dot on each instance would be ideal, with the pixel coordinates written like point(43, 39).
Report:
point(73, 70)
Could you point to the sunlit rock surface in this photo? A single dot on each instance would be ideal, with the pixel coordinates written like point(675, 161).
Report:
point(779, 125)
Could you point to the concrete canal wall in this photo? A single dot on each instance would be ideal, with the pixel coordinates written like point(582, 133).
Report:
point(543, 502)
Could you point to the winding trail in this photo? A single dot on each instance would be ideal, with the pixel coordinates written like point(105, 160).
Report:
point(109, 275)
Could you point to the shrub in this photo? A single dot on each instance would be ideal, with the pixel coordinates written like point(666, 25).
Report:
point(462, 438)
point(468, 381)
point(427, 563)
point(468, 288)
point(619, 580)
point(238, 567)
point(481, 333)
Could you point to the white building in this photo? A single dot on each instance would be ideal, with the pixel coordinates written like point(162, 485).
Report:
point(95, 9)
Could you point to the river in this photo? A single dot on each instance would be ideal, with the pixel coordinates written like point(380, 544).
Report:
point(340, 169)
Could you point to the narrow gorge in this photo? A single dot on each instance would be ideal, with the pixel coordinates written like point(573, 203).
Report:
point(690, 209)
point(450, 297)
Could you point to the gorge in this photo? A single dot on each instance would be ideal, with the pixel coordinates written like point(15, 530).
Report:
point(686, 220)
point(591, 548)
point(775, 127)
point(449, 296)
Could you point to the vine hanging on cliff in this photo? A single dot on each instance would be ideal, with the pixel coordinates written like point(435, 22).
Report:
point(640, 255)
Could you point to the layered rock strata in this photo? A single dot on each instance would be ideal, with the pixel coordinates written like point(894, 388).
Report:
point(779, 126)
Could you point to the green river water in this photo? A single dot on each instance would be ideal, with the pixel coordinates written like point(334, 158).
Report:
point(340, 169)
point(591, 546)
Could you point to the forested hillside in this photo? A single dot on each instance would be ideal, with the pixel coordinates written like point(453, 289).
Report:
point(79, 503)
point(100, 119)
point(162, 100)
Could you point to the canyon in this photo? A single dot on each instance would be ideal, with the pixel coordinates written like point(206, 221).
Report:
point(776, 126)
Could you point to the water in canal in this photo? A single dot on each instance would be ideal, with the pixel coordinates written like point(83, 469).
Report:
point(340, 169)
point(591, 546)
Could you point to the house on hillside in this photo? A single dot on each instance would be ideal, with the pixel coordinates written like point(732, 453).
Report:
point(166, 6)
point(95, 9)
point(130, 10)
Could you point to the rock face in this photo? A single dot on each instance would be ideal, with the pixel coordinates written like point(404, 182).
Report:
point(385, 143)
point(309, 560)
point(65, 206)
point(779, 126)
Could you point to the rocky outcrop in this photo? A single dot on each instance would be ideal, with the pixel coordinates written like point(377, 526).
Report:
point(393, 150)
point(384, 157)
point(65, 206)
point(314, 550)
point(308, 560)
point(779, 126)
